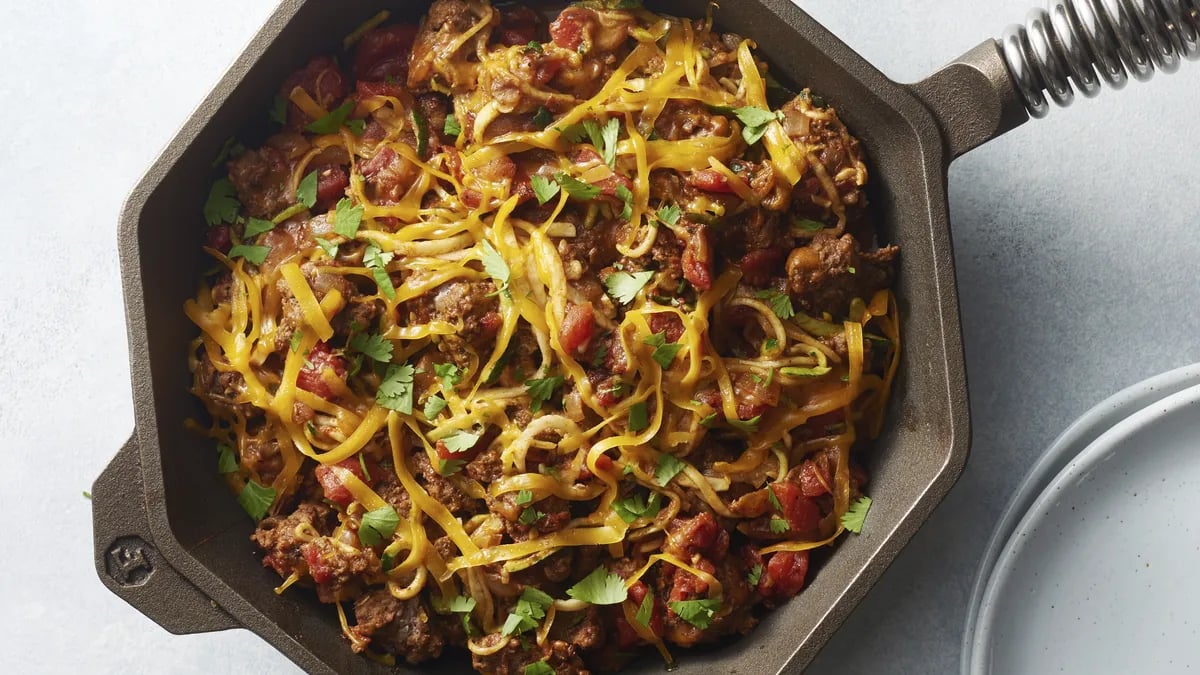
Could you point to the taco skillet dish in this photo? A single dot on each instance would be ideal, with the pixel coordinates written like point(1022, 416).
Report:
point(545, 337)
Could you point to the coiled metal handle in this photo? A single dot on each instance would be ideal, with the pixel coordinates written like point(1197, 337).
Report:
point(1086, 40)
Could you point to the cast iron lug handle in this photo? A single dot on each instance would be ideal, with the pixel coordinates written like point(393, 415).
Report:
point(1072, 44)
point(128, 562)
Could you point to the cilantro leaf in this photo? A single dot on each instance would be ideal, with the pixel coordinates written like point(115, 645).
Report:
point(346, 218)
point(669, 214)
point(306, 192)
point(333, 120)
point(746, 426)
point(539, 668)
point(774, 499)
point(600, 588)
point(645, 610)
point(374, 346)
point(755, 121)
point(396, 390)
point(577, 188)
point(226, 460)
point(420, 130)
point(699, 613)
point(755, 575)
point(330, 248)
point(530, 516)
point(575, 133)
point(356, 127)
point(448, 467)
point(294, 343)
point(452, 127)
point(608, 141)
point(708, 419)
point(638, 417)
point(530, 608)
point(808, 225)
point(229, 149)
point(780, 302)
point(770, 345)
point(664, 352)
point(516, 624)
point(434, 405)
point(256, 226)
point(378, 525)
point(362, 464)
point(460, 605)
point(669, 466)
point(495, 265)
point(626, 198)
point(796, 371)
point(279, 109)
point(256, 499)
point(222, 204)
point(543, 188)
point(459, 441)
point(524, 497)
point(535, 46)
point(635, 506)
point(856, 515)
point(254, 254)
point(542, 118)
point(541, 390)
point(779, 525)
point(376, 260)
point(449, 373)
point(624, 286)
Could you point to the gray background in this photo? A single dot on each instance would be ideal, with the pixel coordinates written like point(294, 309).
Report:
point(1076, 240)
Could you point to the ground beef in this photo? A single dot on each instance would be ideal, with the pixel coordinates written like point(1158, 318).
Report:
point(262, 177)
point(339, 570)
point(276, 536)
point(402, 627)
point(442, 27)
point(473, 304)
point(223, 390)
point(439, 487)
point(826, 274)
point(514, 657)
point(683, 119)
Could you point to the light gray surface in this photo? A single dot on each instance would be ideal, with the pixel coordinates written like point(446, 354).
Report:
point(1076, 239)
point(1063, 598)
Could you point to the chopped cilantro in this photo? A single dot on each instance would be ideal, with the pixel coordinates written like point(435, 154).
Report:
point(664, 352)
point(535, 47)
point(396, 390)
point(256, 226)
point(539, 668)
point(434, 405)
point(294, 343)
point(576, 188)
point(306, 192)
point(530, 516)
point(779, 525)
point(279, 109)
point(600, 588)
point(699, 613)
point(356, 127)
point(495, 265)
point(669, 466)
point(256, 499)
point(774, 499)
point(746, 426)
point(254, 254)
point(755, 121)
point(87, 495)
point(808, 225)
point(645, 610)
point(542, 118)
point(856, 515)
point(543, 188)
point(420, 130)
point(755, 575)
point(708, 419)
point(459, 441)
point(626, 198)
point(636, 506)
point(378, 525)
point(540, 390)
point(451, 127)
point(229, 149)
point(362, 464)
point(447, 467)
point(222, 204)
point(375, 259)
point(330, 122)
point(624, 286)
point(330, 248)
point(461, 605)
point(449, 373)
point(226, 460)
point(530, 608)
point(796, 371)
point(770, 345)
point(780, 302)
point(608, 141)
point(524, 497)
point(373, 346)
point(346, 218)
point(669, 214)
point(638, 417)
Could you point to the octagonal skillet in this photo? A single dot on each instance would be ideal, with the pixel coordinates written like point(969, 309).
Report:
point(171, 541)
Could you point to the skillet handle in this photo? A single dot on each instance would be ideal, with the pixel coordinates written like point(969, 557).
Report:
point(128, 562)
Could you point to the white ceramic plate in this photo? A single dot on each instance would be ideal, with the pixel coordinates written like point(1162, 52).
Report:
point(1102, 572)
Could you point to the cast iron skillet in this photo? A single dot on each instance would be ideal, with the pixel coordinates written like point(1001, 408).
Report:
point(171, 541)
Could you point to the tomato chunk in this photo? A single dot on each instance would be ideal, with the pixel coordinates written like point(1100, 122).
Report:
point(331, 483)
point(785, 573)
point(322, 80)
point(803, 514)
point(710, 180)
point(383, 53)
point(567, 30)
point(578, 327)
point(320, 358)
point(814, 481)
point(697, 259)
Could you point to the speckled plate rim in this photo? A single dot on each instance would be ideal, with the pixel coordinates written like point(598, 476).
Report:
point(1077, 437)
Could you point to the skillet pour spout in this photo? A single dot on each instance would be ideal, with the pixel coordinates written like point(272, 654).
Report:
point(169, 540)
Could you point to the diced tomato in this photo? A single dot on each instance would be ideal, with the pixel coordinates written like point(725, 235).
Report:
point(322, 80)
point(627, 637)
point(700, 534)
point(332, 485)
point(784, 574)
point(710, 180)
point(687, 586)
point(332, 181)
point(320, 570)
point(698, 258)
point(367, 89)
point(320, 358)
point(604, 463)
point(383, 53)
point(567, 29)
point(491, 323)
point(668, 323)
point(814, 481)
point(578, 327)
point(219, 238)
point(802, 513)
